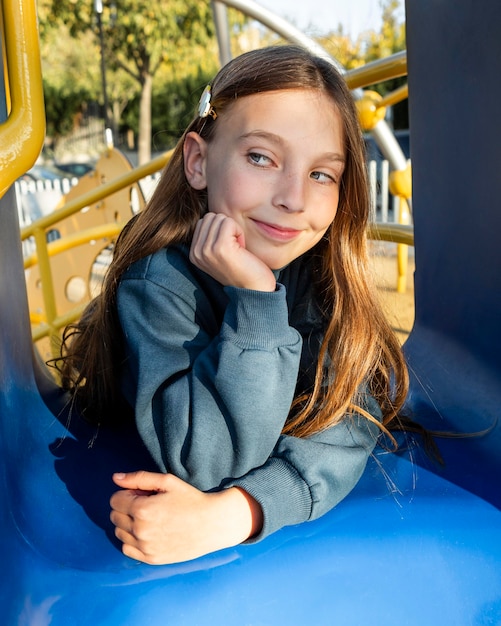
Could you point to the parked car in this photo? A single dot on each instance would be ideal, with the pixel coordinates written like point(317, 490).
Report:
point(77, 168)
point(44, 172)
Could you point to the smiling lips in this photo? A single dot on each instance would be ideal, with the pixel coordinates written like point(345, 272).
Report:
point(279, 233)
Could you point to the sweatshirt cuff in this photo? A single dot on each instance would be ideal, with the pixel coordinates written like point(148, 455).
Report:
point(284, 496)
point(258, 319)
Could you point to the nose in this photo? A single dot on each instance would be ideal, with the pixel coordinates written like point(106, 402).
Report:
point(290, 193)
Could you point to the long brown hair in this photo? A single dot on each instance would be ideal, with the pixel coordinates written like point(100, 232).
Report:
point(358, 343)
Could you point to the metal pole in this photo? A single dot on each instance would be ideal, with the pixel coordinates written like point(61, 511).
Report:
point(220, 13)
point(108, 133)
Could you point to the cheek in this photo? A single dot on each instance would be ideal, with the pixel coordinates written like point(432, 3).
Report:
point(231, 193)
point(223, 199)
point(324, 218)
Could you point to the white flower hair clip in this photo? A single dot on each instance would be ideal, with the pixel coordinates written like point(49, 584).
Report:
point(205, 107)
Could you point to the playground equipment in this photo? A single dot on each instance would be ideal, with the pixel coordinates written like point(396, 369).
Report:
point(414, 543)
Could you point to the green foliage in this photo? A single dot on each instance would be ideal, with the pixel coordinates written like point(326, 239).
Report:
point(70, 77)
point(169, 45)
point(139, 38)
point(340, 46)
point(390, 40)
point(63, 108)
point(371, 46)
point(139, 35)
point(174, 106)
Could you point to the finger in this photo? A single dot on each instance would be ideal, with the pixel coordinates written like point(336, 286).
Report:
point(126, 537)
point(204, 224)
point(196, 232)
point(122, 501)
point(198, 239)
point(131, 548)
point(217, 243)
point(230, 230)
point(134, 549)
point(127, 501)
point(122, 521)
point(138, 555)
point(206, 233)
point(141, 480)
point(210, 229)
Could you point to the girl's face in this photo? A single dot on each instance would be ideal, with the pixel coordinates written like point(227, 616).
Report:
point(274, 165)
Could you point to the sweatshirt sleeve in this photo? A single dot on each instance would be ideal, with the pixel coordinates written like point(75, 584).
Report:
point(209, 405)
point(305, 478)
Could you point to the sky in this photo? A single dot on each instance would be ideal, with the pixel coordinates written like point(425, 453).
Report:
point(356, 16)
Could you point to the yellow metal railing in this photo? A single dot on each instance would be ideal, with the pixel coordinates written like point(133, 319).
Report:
point(396, 233)
point(378, 71)
point(22, 135)
point(402, 93)
point(96, 195)
point(51, 322)
point(371, 110)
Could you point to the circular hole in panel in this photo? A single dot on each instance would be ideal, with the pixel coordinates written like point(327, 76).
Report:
point(135, 204)
point(75, 289)
point(53, 235)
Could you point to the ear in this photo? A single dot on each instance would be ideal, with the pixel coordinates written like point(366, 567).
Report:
point(195, 158)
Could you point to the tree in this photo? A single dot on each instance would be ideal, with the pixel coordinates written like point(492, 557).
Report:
point(371, 46)
point(70, 78)
point(140, 36)
point(388, 41)
point(341, 47)
point(391, 38)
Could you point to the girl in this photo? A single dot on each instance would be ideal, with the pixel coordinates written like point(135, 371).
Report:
point(237, 320)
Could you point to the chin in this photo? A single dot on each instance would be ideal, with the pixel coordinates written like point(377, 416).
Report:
point(276, 264)
point(273, 259)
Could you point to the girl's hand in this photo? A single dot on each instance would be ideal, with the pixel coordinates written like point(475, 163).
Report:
point(218, 248)
point(161, 519)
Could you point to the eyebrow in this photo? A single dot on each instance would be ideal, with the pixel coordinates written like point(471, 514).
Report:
point(276, 139)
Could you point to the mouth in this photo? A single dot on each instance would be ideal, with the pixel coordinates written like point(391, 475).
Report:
point(277, 232)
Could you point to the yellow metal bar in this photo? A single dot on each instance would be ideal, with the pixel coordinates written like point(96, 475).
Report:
point(402, 248)
point(94, 196)
point(402, 93)
point(76, 239)
point(45, 330)
point(22, 135)
point(378, 71)
point(45, 276)
point(53, 323)
point(397, 233)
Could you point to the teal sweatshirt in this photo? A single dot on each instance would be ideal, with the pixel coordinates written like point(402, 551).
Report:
point(211, 373)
